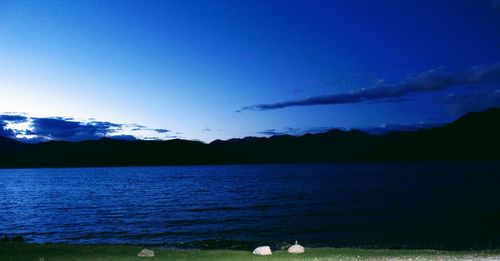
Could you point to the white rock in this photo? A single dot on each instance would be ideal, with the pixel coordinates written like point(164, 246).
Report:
point(146, 253)
point(262, 250)
point(296, 249)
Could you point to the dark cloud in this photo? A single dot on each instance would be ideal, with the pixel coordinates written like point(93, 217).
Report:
point(68, 129)
point(429, 81)
point(7, 119)
point(136, 127)
point(319, 129)
point(460, 103)
point(271, 132)
point(385, 128)
point(6, 132)
point(13, 118)
point(161, 130)
point(293, 131)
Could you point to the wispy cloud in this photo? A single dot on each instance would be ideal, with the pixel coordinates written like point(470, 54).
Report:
point(385, 128)
point(430, 81)
point(379, 130)
point(460, 103)
point(37, 129)
point(284, 131)
point(294, 131)
point(161, 130)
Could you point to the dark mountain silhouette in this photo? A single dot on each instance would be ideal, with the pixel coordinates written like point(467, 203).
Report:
point(474, 136)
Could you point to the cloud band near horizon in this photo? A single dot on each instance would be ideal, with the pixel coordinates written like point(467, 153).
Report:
point(37, 129)
point(429, 81)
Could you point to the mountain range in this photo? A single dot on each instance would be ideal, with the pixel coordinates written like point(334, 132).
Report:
point(474, 136)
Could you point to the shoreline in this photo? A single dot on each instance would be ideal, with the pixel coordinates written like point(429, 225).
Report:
point(33, 251)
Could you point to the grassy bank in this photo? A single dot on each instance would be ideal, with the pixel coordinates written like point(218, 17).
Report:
point(49, 252)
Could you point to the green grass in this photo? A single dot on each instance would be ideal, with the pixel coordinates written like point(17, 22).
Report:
point(49, 252)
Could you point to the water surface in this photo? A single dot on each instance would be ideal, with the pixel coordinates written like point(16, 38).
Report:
point(437, 205)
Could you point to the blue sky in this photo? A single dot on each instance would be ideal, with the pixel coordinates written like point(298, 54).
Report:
point(222, 69)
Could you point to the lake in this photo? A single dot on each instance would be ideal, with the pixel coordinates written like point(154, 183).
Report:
point(451, 205)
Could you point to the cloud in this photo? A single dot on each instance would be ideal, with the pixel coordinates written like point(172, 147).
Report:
point(385, 128)
point(160, 139)
point(460, 103)
point(37, 129)
point(161, 130)
point(137, 127)
point(5, 131)
point(429, 81)
point(379, 130)
point(15, 118)
point(6, 120)
point(293, 131)
point(271, 132)
point(70, 130)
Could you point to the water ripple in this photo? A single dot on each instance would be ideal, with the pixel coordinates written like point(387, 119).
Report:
point(240, 206)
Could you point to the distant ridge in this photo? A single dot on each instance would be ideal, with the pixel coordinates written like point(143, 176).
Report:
point(474, 136)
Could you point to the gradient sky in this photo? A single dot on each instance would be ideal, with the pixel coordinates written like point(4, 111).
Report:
point(222, 69)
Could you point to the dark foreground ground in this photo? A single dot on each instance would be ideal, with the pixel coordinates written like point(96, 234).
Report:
point(48, 252)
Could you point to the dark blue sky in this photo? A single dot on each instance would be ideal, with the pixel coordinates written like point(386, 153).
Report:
point(222, 69)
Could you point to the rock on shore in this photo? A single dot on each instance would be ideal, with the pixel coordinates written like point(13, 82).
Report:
point(263, 251)
point(146, 253)
point(296, 249)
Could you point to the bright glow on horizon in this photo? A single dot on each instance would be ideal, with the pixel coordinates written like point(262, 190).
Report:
point(188, 66)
